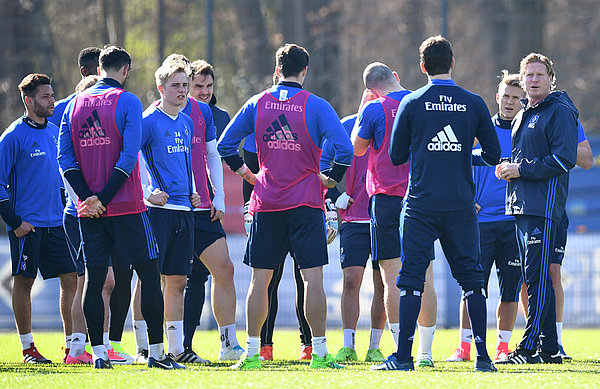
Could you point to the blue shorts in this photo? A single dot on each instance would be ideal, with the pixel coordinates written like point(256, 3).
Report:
point(498, 244)
point(459, 237)
point(126, 239)
point(560, 243)
point(385, 226)
point(355, 245)
point(274, 234)
point(45, 249)
point(206, 233)
point(71, 227)
point(174, 232)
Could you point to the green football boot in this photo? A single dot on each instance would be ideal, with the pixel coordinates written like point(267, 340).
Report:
point(346, 354)
point(374, 355)
point(248, 363)
point(324, 363)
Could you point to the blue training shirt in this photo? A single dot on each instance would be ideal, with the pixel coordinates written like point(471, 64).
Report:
point(327, 155)
point(29, 176)
point(128, 118)
point(435, 128)
point(59, 109)
point(321, 121)
point(207, 114)
point(166, 144)
point(371, 120)
point(490, 192)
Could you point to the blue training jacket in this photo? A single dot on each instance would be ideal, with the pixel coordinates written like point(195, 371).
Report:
point(544, 142)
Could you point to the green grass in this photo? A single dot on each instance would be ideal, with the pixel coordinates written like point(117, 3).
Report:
point(287, 372)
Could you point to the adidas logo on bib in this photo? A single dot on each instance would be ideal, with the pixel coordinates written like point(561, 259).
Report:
point(445, 140)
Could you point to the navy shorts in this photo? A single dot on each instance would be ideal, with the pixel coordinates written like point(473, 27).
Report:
point(45, 249)
point(274, 234)
point(206, 233)
point(385, 226)
point(174, 232)
point(71, 227)
point(459, 237)
point(126, 239)
point(355, 245)
point(498, 245)
point(558, 254)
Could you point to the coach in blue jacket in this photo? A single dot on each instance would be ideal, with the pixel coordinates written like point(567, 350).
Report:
point(544, 142)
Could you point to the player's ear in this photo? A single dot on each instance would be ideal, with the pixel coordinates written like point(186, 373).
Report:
point(497, 98)
point(422, 66)
point(160, 89)
point(397, 76)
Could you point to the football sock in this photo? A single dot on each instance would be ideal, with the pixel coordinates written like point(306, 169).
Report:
point(425, 341)
point(504, 336)
point(478, 315)
point(559, 326)
point(349, 337)
point(93, 306)
point(106, 341)
point(152, 303)
point(26, 340)
point(119, 301)
point(192, 307)
point(77, 344)
point(466, 335)
point(228, 337)
point(140, 330)
point(394, 329)
point(375, 338)
point(252, 346)
point(175, 336)
point(319, 344)
point(410, 305)
point(157, 351)
point(100, 352)
point(68, 341)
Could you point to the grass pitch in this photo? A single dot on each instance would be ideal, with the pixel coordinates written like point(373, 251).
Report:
point(286, 372)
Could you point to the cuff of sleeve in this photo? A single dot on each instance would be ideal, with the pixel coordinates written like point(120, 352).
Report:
point(13, 220)
point(234, 162)
point(116, 180)
point(77, 182)
point(219, 203)
point(337, 172)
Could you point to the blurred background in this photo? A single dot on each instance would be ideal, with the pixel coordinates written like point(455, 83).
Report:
point(239, 37)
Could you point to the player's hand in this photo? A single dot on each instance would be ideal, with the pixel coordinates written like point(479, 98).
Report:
point(331, 218)
point(24, 229)
point(477, 207)
point(246, 174)
point(344, 201)
point(195, 199)
point(327, 181)
point(247, 218)
point(91, 207)
point(158, 197)
point(215, 214)
point(508, 171)
point(366, 97)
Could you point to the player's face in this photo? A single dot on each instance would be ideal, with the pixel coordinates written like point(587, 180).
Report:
point(43, 101)
point(537, 82)
point(175, 89)
point(202, 88)
point(509, 100)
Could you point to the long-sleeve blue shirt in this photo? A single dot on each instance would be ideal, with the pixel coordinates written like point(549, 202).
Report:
point(490, 192)
point(30, 180)
point(321, 121)
point(371, 119)
point(59, 109)
point(435, 127)
point(166, 144)
point(128, 118)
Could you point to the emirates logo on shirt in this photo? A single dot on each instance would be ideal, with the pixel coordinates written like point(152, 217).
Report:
point(279, 136)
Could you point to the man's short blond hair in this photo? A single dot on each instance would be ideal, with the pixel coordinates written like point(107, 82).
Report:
point(168, 69)
point(540, 58)
point(509, 79)
point(87, 82)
